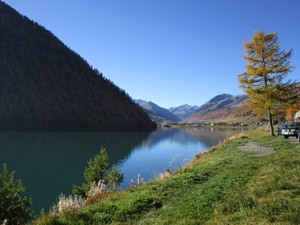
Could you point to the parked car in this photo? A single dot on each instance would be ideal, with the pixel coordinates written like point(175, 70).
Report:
point(291, 130)
point(279, 129)
point(299, 135)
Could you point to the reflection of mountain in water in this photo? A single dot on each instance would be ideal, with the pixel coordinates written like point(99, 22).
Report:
point(212, 136)
point(163, 134)
point(207, 136)
point(49, 163)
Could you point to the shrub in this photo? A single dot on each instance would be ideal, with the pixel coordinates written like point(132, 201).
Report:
point(13, 208)
point(81, 190)
point(96, 171)
point(114, 179)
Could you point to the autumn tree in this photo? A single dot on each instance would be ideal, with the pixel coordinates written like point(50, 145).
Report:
point(265, 79)
point(292, 110)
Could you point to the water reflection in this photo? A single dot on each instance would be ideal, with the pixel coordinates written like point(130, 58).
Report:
point(49, 163)
point(155, 153)
point(212, 136)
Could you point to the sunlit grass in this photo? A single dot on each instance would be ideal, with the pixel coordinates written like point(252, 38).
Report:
point(223, 186)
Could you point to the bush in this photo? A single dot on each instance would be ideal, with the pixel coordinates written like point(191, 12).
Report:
point(97, 171)
point(81, 190)
point(114, 179)
point(13, 208)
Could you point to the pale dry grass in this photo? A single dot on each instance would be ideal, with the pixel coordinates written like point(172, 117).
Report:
point(165, 175)
point(96, 193)
point(74, 203)
point(66, 205)
point(139, 182)
point(265, 129)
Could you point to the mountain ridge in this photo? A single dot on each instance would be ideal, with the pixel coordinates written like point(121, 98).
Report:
point(220, 106)
point(44, 85)
point(156, 112)
point(183, 111)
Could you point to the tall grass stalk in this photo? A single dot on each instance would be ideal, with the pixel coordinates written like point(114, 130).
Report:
point(139, 182)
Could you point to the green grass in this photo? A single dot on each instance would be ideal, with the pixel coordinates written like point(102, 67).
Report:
point(221, 187)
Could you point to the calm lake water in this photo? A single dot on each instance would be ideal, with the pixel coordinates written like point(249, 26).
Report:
point(49, 163)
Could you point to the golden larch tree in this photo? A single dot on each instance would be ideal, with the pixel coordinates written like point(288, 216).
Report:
point(265, 79)
point(292, 110)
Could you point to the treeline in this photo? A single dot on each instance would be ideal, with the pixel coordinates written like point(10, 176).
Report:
point(46, 86)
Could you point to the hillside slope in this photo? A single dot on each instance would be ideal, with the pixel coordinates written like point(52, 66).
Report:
point(46, 86)
point(220, 106)
point(157, 113)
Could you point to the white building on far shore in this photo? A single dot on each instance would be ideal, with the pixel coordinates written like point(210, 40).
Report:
point(297, 116)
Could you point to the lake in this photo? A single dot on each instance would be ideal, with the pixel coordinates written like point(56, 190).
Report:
point(49, 163)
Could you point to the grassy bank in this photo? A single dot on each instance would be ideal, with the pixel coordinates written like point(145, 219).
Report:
point(224, 186)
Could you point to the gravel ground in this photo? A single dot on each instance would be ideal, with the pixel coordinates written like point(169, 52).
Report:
point(294, 140)
point(259, 150)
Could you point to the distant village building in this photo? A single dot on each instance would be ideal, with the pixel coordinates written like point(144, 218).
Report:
point(297, 116)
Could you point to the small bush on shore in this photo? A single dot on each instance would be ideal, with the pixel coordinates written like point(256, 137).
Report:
point(97, 171)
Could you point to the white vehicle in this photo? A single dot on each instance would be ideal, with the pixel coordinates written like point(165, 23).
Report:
point(291, 130)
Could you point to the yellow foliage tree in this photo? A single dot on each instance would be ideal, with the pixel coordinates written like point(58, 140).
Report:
point(263, 81)
point(292, 110)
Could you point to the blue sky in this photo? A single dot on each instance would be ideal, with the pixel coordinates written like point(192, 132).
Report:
point(171, 52)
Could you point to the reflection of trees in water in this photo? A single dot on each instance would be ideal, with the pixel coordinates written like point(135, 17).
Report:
point(51, 162)
point(212, 136)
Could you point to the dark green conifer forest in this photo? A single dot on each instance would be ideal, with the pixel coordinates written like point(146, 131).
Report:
point(46, 86)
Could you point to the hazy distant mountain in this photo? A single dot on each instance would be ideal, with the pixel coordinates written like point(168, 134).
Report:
point(220, 106)
point(46, 86)
point(183, 111)
point(157, 113)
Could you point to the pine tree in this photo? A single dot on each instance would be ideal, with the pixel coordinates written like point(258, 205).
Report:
point(264, 81)
point(114, 178)
point(13, 208)
point(97, 169)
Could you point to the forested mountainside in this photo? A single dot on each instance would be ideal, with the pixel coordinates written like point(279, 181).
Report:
point(221, 106)
point(46, 86)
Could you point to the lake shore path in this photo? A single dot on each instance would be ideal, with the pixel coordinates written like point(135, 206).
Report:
point(259, 149)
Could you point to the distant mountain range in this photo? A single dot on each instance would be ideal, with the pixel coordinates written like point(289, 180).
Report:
point(183, 111)
point(220, 106)
point(157, 113)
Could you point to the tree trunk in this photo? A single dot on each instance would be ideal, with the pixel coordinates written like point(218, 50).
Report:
point(271, 122)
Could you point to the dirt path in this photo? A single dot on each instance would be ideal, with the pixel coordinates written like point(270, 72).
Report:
point(293, 140)
point(259, 150)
